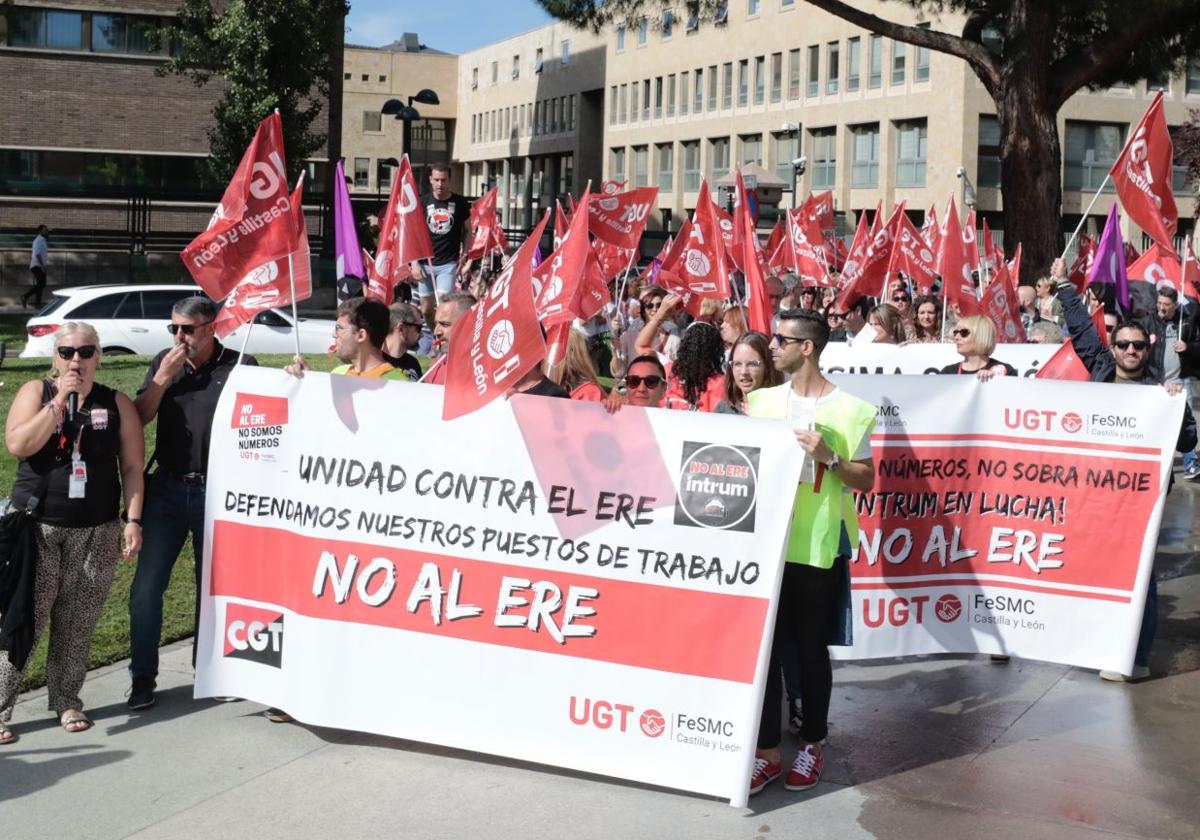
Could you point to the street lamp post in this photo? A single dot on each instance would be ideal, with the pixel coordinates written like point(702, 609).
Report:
point(794, 130)
point(379, 177)
point(406, 113)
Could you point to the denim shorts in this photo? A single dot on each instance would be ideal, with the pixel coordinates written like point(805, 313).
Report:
point(443, 275)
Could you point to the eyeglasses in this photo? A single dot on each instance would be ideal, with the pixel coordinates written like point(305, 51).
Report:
point(836, 316)
point(85, 352)
point(784, 339)
point(1123, 344)
point(960, 332)
point(651, 305)
point(188, 329)
point(652, 381)
point(901, 298)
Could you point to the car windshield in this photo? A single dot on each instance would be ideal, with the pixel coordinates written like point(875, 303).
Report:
point(55, 302)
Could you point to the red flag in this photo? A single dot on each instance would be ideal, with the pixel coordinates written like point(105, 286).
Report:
point(953, 264)
point(803, 244)
point(773, 243)
point(863, 234)
point(485, 225)
point(699, 259)
point(1065, 364)
point(970, 240)
point(1159, 266)
point(930, 230)
point(613, 260)
point(730, 235)
point(1142, 173)
point(1082, 267)
point(620, 219)
point(556, 342)
point(269, 285)
point(867, 277)
point(1000, 303)
point(253, 224)
point(992, 255)
point(403, 232)
point(612, 186)
point(1191, 271)
point(1014, 267)
point(911, 255)
point(758, 309)
point(558, 281)
point(818, 207)
point(562, 221)
point(1098, 323)
point(499, 340)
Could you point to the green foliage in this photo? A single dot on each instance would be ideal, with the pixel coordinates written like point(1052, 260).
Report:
point(268, 54)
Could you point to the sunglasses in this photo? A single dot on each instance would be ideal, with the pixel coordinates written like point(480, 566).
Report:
point(960, 333)
point(416, 324)
point(650, 306)
point(188, 329)
point(784, 339)
point(836, 316)
point(652, 381)
point(85, 352)
point(1124, 344)
point(901, 298)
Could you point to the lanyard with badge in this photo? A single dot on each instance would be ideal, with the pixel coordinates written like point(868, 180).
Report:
point(77, 483)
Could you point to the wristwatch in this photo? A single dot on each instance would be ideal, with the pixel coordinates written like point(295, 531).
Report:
point(834, 464)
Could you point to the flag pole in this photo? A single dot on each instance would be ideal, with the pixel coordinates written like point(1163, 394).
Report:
point(624, 279)
point(295, 313)
point(245, 341)
point(1086, 213)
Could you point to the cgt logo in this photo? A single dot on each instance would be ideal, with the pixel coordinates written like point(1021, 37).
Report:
point(254, 634)
point(604, 714)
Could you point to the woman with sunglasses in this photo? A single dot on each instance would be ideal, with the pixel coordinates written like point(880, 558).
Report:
point(750, 368)
point(975, 339)
point(79, 446)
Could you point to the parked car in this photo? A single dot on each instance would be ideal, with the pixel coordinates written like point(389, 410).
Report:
point(133, 319)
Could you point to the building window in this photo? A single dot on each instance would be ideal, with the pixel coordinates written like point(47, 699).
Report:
point(824, 157)
point(538, 60)
point(727, 85)
point(853, 63)
point(777, 77)
point(633, 101)
point(646, 99)
point(786, 148)
point(1179, 172)
point(793, 90)
point(665, 153)
point(382, 78)
point(365, 77)
point(624, 104)
point(641, 166)
point(565, 52)
point(516, 67)
point(912, 148)
point(346, 77)
point(1089, 153)
point(495, 72)
point(658, 97)
point(620, 37)
point(385, 171)
point(719, 156)
point(372, 121)
point(668, 22)
point(712, 87)
point(1162, 81)
point(760, 80)
point(831, 68)
point(118, 33)
point(814, 70)
point(616, 164)
point(875, 62)
point(864, 155)
point(362, 172)
point(691, 165)
point(45, 28)
point(698, 84)
point(474, 77)
point(751, 147)
point(898, 59)
point(684, 98)
point(743, 81)
point(1192, 83)
point(751, 8)
point(612, 106)
point(921, 74)
point(988, 154)
point(671, 93)
point(571, 112)
point(643, 31)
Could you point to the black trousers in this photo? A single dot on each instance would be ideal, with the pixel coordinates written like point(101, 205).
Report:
point(39, 285)
point(806, 603)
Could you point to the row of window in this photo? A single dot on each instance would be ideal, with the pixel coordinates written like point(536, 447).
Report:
point(66, 29)
point(540, 185)
point(539, 61)
point(759, 79)
point(548, 116)
point(666, 23)
point(366, 77)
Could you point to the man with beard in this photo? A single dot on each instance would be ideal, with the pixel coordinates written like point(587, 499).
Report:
point(181, 389)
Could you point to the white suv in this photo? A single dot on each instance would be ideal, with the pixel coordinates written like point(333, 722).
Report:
point(133, 319)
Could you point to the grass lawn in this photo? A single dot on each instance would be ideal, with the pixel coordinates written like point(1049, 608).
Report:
point(111, 640)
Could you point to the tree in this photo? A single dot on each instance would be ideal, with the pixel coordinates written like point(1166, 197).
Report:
point(1187, 153)
point(269, 54)
point(1030, 55)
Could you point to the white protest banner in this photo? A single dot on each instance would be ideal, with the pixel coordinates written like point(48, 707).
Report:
point(1010, 516)
point(841, 357)
point(537, 579)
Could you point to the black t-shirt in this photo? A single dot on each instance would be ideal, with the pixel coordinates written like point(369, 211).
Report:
point(407, 363)
point(957, 368)
point(445, 218)
point(186, 411)
point(97, 426)
point(548, 388)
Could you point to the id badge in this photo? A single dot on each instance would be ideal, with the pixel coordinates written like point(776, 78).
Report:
point(99, 419)
point(77, 486)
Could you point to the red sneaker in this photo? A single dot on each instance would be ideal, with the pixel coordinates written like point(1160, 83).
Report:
point(765, 772)
point(806, 771)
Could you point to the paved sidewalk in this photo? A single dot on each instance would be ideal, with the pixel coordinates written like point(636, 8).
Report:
point(942, 747)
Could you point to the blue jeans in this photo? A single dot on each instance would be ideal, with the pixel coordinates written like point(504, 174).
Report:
point(443, 276)
point(172, 509)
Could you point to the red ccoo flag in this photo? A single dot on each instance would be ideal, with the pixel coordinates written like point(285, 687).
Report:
point(403, 233)
point(1065, 364)
point(253, 223)
point(619, 219)
point(1142, 173)
point(1159, 266)
point(499, 340)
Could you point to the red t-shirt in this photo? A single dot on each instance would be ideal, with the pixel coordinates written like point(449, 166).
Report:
point(589, 392)
point(713, 393)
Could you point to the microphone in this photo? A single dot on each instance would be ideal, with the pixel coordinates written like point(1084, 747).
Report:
point(72, 406)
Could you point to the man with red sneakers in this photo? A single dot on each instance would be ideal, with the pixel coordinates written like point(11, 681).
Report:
point(839, 443)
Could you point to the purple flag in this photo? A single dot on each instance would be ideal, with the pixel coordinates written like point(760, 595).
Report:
point(345, 240)
point(1108, 265)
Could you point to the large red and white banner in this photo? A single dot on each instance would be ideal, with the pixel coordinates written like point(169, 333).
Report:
point(603, 584)
point(1009, 517)
point(840, 357)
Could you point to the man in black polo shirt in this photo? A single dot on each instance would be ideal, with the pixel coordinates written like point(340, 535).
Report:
point(181, 389)
point(448, 216)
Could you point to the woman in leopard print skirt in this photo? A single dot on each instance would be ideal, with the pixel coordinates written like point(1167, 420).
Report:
point(85, 462)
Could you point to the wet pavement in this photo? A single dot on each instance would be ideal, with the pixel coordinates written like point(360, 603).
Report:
point(925, 747)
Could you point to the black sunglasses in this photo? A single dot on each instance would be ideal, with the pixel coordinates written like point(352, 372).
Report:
point(961, 332)
point(188, 329)
point(835, 316)
point(652, 381)
point(898, 298)
point(85, 352)
point(651, 304)
point(417, 324)
point(1125, 344)
point(784, 339)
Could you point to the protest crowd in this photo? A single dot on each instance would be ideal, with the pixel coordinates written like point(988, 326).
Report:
point(718, 321)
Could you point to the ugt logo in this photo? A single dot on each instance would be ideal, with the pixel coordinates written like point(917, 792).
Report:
point(254, 634)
